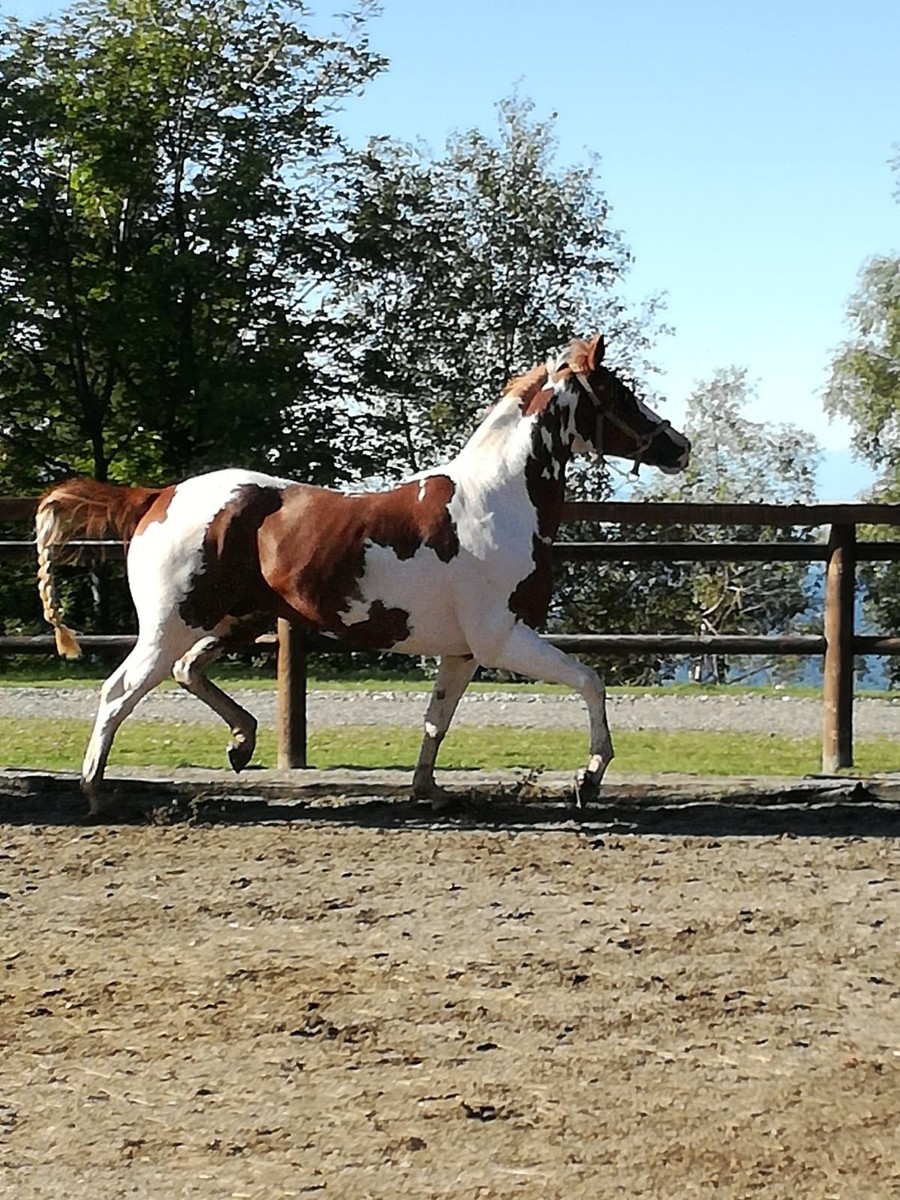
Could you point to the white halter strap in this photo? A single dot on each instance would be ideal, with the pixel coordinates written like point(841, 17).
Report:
point(642, 444)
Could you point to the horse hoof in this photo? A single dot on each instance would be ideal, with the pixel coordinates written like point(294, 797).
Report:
point(239, 754)
point(91, 792)
point(439, 798)
point(441, 801)
point(586, 787)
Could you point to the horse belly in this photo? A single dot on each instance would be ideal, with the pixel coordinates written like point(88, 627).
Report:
point(421, 590)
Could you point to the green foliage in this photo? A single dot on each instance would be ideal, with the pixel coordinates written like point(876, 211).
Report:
point(737, 460)
point(165, 175)
point(865, 376)
point(622, 598)
point(864, 388)
point(732, 460)
point(467, 269)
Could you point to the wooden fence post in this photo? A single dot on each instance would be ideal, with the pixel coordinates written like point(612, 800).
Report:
point(837, 676)
point(291, 696)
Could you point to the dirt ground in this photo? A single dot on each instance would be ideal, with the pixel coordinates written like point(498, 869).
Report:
point(353, 1004)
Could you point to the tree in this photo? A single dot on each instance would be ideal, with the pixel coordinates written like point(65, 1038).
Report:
point(166, 224)
point(737, 460)
point(467, 269)
point(865, 376)
point(865, 388)
point(733, 459)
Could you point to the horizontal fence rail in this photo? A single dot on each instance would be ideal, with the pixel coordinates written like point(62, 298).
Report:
point(775, 516)
point(839, 551)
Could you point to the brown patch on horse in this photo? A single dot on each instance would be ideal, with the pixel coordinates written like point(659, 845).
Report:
point(545, 484)
point(586, 358)
point(313, 550)
point(158, 509)
point(382, 627)
point(532, 390)
point(530, 600)
point(230, 582)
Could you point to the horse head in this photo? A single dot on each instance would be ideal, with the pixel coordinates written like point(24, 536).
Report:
point(610, 419)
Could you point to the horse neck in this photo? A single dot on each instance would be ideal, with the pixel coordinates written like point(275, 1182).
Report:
point(524, 444)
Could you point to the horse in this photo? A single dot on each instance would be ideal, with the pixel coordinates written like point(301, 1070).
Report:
point(454, 562)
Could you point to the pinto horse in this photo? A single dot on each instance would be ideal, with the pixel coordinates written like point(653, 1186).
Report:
point(454, 562)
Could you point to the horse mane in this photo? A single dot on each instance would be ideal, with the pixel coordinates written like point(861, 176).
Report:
point(579, 359)
point(528, 387)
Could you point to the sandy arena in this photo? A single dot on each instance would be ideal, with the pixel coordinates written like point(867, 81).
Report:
point(356, 999)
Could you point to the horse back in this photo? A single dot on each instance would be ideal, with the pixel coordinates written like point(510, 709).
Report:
point(316, 551)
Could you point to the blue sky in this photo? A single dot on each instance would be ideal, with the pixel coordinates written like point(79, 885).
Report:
point(744, 148)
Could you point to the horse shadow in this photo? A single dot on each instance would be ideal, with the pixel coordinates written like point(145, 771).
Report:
point(839, 809)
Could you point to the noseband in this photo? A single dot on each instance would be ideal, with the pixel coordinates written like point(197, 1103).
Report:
point(642, 444)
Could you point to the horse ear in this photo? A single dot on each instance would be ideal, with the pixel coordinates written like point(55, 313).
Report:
point(595, 351)
point(583, 357)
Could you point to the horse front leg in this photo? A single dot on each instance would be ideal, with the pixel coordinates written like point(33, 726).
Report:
point(454, 674)
point(527, 654)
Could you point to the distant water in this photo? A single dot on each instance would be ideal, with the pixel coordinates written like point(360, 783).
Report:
point(840, 479)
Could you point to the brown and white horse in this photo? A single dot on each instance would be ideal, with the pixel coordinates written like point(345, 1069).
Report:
point(454, 562)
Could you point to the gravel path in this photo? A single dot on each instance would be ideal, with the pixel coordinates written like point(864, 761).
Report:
point(329, 709)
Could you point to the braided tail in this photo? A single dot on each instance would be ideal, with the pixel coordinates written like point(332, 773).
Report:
point(81, 509)
point(52, 533)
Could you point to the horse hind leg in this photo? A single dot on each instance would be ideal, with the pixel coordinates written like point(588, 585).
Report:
point(454, 674)
point(138, 674)
point(188, 672)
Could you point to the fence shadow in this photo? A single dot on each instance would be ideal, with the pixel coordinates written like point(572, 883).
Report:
point(850, 809)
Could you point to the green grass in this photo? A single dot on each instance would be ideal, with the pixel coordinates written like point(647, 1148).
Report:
point(59, 745)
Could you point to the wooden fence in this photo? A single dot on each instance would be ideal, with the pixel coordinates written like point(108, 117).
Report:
point(839, 643)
